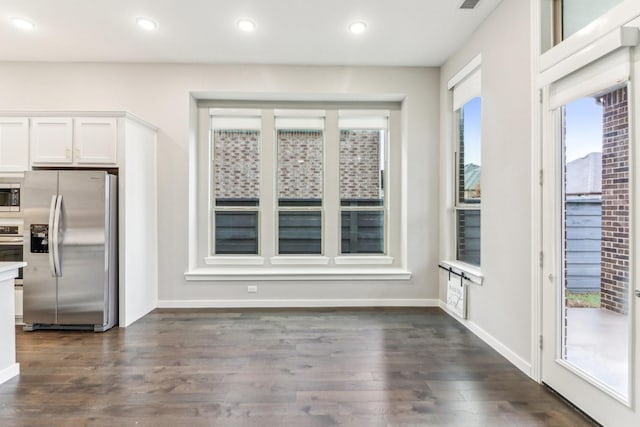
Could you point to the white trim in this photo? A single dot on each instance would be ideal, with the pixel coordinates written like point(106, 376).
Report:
point(299, 260)
point(363, 260)
point(493, 342)
point(619, 16)
point(64, 113)
point(297, 123)
point(284, 274)
point(621, 37)
point(290, 113)
point(474, 272)
point(604, 74)
point(234, 260)
point(235, 112)
point(465, 71)
point(467, 89)
point(234, 123)
point(373, 122)
point(297, 303)
point(536, 195)
point(9, 372)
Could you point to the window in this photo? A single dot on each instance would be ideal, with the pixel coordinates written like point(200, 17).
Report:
point(468, 159)
point(300, 143)
point(236, 184)
point(362, 201)
point(569, 16)
point(300, 186)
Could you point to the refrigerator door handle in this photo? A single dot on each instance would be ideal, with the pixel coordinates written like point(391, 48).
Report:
point(50, 234)
point(56, 236)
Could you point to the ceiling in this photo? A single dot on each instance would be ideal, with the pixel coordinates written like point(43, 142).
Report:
point(399, 32)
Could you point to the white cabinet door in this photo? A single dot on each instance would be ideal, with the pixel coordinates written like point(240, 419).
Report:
point(14, 144)
point(51, 140)
point(19, 305)
point(95, 140)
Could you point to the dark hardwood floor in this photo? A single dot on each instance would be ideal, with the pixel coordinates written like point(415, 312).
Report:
point(352, 367)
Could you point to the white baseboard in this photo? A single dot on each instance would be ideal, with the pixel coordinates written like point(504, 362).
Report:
point(494, 343)
point(9, 372)
point(298, 303)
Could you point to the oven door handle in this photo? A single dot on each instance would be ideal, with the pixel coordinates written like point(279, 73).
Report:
point(50, 234)
point(56, 236)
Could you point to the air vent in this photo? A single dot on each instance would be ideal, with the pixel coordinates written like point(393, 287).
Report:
point(469, 4)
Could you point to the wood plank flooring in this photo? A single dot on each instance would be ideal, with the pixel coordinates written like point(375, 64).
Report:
point(345, 367)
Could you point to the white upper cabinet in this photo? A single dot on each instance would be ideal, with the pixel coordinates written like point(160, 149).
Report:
point(14, 144)
point(95, 140)
point(79, 141)
point(52, 140)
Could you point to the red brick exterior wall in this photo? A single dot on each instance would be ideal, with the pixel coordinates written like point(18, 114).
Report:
point(300, 164)
point(615, 202)
point(237, 164)
point(359, 164)
point(300, 174)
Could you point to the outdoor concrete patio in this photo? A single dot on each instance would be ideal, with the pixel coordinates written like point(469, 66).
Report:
point(597, 343)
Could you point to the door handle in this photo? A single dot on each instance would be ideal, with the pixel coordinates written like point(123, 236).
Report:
point(50, 233)
point(56, 236)
point(637, 292)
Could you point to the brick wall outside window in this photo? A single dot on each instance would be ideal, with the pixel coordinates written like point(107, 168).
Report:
point(300, 164)
point(615, 202)
point(359, 164)
point(237, 164)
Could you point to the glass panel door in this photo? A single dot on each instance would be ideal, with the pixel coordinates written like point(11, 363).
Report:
point(595, 238)
point(589, 314)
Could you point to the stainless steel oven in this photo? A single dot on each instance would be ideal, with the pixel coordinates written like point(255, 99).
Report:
point(12, 244)
point(9, 196)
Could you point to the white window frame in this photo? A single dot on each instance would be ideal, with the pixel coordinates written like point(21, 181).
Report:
point(463, 87)
point(299, 119)
point(367, 120)
point(269, 266)
point(249, 120)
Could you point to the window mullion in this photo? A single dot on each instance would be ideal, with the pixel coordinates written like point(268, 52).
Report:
point(331, 199)
point(268, 164)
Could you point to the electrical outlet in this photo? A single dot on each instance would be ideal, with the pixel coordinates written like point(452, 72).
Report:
point(252, 289)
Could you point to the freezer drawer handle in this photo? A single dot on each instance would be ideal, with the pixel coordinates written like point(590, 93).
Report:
point(56, 237)
point(50, 232)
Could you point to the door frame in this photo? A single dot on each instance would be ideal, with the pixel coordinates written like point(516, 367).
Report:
point(541, 27)
point(541, 61)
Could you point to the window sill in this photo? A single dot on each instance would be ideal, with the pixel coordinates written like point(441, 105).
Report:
point(234, 260)
point(364, 260)
point(296, 274)
point(299, 260)
point(474, 273)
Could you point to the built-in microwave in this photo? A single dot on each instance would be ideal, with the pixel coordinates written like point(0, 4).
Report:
point(9, 197)
point(12, 243)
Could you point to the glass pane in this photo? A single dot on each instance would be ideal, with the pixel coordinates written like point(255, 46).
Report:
point(362, 167)
point(470, 151)
point(299, 167)
point(236, 233)
point(576, 14)
point(596, 237)
point(237, 167)
point(362, 232)
point(468, 234)
point(300, 233)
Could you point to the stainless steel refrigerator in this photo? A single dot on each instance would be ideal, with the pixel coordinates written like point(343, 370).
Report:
point(70, 223)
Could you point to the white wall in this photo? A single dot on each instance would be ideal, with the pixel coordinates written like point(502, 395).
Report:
point(161, 95)
point(500, 309)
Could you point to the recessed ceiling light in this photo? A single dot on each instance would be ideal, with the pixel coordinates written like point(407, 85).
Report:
point(23, 24)
point(357, 27)
point(246, 25)
point(146, 24)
